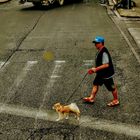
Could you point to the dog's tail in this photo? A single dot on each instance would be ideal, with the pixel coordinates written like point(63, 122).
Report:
point(74, 107)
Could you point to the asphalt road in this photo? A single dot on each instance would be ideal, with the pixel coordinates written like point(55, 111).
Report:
point(44, 54)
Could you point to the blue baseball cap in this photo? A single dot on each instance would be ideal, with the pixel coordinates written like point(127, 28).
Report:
point(98, 39)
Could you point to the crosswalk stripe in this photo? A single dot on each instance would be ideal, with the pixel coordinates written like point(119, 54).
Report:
point(19, 79)
point(3, 65)
point(88, 62)
point(85, 121)
point(53, 78)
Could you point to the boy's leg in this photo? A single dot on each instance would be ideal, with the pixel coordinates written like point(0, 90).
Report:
point(91, 98)
point(94, 91)
point(115, 93)
point(96, 83)
point(113, 88)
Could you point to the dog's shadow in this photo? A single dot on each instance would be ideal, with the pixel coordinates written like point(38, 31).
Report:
point(70, 121)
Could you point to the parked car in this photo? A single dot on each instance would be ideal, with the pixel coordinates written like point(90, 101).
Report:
point(39, 3)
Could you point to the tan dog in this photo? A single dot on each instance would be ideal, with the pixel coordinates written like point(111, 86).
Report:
point(64, 111)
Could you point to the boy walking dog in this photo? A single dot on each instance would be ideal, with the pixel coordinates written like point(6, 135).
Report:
point(104, 73)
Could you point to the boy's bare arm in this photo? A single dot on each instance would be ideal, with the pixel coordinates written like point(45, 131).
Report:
point(100, 67)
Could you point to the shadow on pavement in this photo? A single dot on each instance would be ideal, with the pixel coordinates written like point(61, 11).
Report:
point(50, 7)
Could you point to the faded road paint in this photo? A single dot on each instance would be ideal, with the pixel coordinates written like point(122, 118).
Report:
point(88, 62)
point(85, 121)
point(53, 78)
point(19, 79)
point(3, 65)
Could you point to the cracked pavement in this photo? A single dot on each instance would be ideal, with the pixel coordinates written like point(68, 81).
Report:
point(30, 84)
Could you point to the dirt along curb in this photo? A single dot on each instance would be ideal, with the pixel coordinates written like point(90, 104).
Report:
point(134, 12)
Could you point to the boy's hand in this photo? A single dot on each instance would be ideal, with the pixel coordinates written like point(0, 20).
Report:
point(90, 71)
point(94, 70)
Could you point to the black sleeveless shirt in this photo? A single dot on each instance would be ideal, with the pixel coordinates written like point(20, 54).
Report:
point(107, 72)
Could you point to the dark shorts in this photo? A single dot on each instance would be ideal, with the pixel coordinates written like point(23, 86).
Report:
point(109, 83)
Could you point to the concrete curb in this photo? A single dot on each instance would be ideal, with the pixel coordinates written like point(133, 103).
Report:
point(135, 33)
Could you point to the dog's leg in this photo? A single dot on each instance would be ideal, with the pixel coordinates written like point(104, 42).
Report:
point(58, 117)
point(61, 116)
point(66, 115)
point(78, 116)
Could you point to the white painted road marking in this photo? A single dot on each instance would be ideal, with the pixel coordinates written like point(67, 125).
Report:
point(85, 121)
point(57, 67)
point(19, 79)
point(3, 65)
point(53, 78)
point(88, 62)
point(22, 111)
point(110, 126)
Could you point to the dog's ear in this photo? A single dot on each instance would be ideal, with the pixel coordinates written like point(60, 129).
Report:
point(57, 104)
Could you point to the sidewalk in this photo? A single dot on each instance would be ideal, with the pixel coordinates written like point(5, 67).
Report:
point(131, 14)
point(134, 12)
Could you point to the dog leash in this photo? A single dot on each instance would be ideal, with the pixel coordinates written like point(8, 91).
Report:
point(77, 88)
